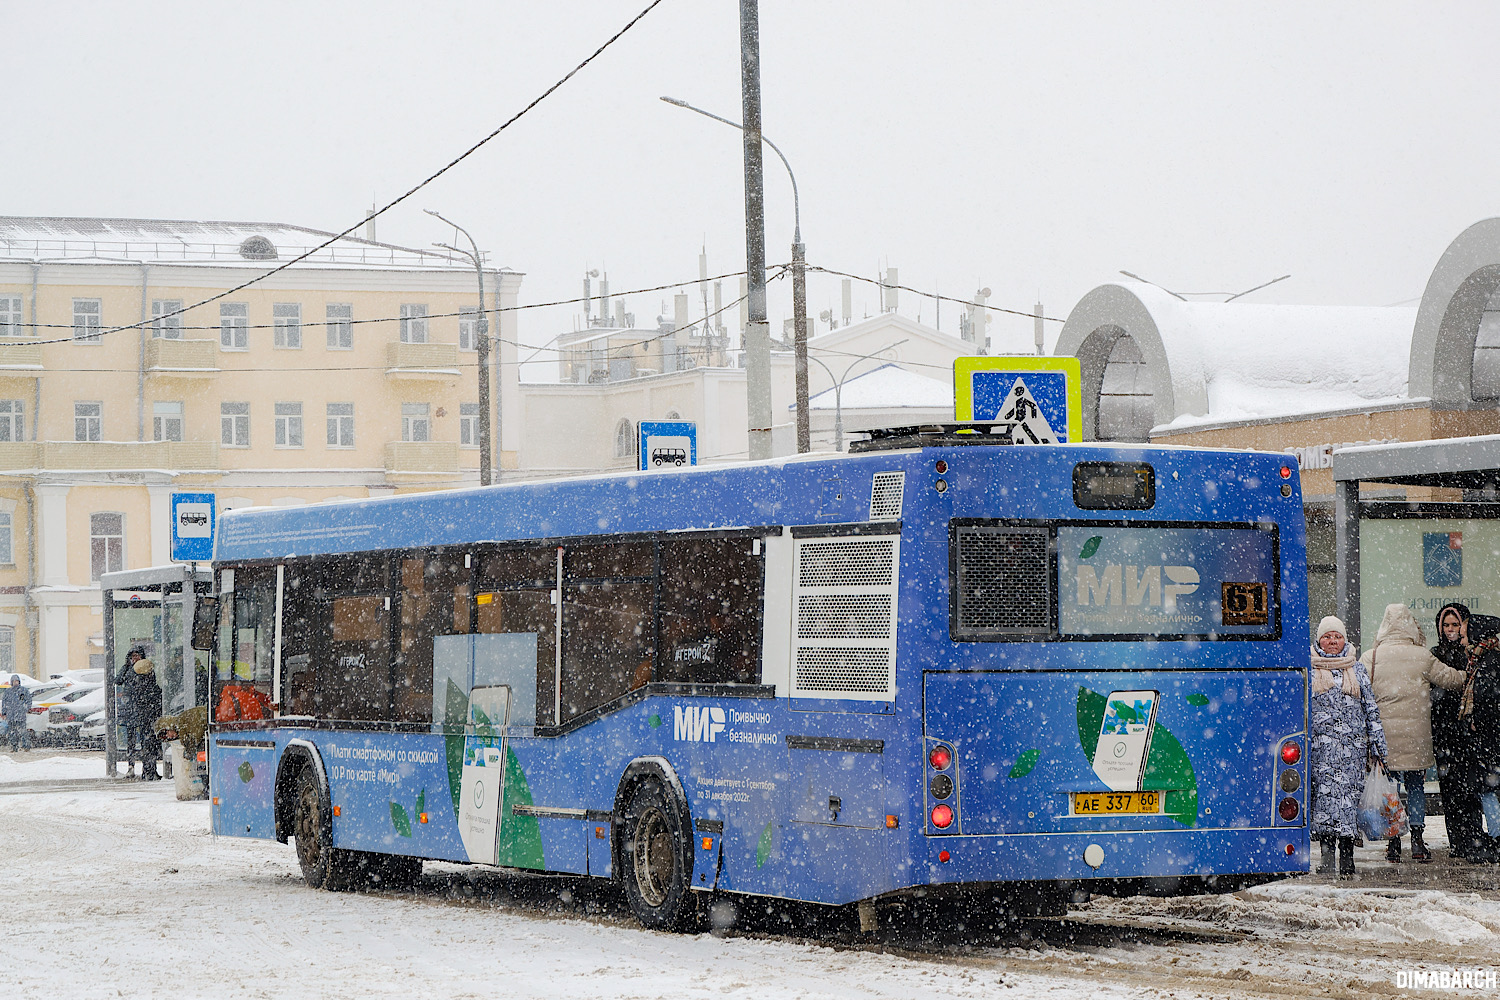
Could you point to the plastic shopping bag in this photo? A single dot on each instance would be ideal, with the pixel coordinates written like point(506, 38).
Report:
point(1381, 814)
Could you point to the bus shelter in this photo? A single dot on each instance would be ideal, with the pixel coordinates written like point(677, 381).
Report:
point(153, 608)
point(1390, 550)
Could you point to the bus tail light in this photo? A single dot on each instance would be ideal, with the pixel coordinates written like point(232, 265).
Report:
point(1288, 809)
point(1291, 752)
point(942, 815)
point(944, 856)
point(940, 757)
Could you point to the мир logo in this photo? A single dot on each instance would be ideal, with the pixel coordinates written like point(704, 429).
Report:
point(702, 725)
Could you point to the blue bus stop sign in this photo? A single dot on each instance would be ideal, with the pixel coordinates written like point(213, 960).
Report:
point(193, 524)
point(668, 443)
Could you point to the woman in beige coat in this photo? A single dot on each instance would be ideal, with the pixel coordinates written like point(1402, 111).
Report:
point(1401, 670)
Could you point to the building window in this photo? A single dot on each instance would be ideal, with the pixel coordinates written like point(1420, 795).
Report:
point(468, 425)
point(341, 425)
point(12, 420)
point(7, 541)
point(413, 324)
point(288, 425)
point(234, 425)
point(624, 439)
point(106, 544)
point(7, 650)
point(340, 317)
point(166, 318)
point(416, 425)
point(468, 328)
point(166, 421)
point(10, 316)
point(88, 421)
point(234, 326)
point(1127, 407)
point(86, 320)
point(286, 317)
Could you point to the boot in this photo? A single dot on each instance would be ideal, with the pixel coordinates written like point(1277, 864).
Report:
point(1326, 865)
point(1393, 850)
point(1419, 851)
point(1346, 857)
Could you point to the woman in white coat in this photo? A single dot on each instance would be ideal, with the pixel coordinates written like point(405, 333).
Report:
point(1402, 670)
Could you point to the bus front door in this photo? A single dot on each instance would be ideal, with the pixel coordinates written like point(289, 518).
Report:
point(482, 788)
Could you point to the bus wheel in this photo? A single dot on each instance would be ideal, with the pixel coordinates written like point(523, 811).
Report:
point(654, 861)
point(323, 865)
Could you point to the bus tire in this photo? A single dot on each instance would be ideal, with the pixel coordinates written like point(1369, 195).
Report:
point(656, 860)
point(323, 865)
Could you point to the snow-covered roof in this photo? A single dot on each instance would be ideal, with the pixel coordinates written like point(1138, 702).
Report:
point(1218, 362)
point(887, 387)
point(176, 241)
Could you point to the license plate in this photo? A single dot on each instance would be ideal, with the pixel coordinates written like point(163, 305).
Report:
point(1115, 803)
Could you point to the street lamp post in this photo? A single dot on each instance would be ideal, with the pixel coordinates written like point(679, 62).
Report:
point(838, 389)
point(799, 281)
point(482, 345)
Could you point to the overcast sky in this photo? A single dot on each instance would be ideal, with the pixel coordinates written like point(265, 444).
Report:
point(1034, 148)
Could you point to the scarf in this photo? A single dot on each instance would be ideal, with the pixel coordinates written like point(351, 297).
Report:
point(1476, 653)
point(1323, 666)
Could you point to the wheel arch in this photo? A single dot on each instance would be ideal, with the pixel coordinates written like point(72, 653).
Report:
point(299, 754)
point(637, 772)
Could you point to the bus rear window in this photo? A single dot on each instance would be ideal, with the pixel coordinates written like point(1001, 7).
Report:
point(1112, 580)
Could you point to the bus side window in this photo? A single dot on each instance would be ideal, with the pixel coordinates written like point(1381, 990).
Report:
point(609, 596)
point(247, 644)
point(434, 600)
point(513, 596)
point(335, 622)
point(712, 591)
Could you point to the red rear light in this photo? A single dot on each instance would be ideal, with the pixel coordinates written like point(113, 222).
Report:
point(940, 758)
point(942, 816)
point(1290, 849)
point(38, 710)
point(1291, 753)
point(1286, 472)
point(943, 856)
point(1288, 809)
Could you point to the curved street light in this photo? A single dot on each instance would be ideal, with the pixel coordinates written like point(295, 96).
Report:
point(799, 280)
point(482, 345)
point(838, 389)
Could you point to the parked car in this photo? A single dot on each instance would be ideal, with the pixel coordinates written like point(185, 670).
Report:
point(66, 714)
point(43, 696)
point(91, 732)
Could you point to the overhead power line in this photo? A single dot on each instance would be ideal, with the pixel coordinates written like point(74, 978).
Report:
point(400, 198)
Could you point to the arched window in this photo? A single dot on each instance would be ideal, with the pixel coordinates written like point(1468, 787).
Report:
point(1127, 410)
point(624, 439)
point(1485, 382)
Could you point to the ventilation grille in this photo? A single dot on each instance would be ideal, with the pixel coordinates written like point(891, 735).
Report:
point(1004, 582)
point(843, 671)
point(847, 562)
point(885, 496)
point(844, 617)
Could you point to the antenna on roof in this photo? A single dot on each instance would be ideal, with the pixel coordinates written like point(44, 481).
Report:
point(1148, 281)
point(1257, 287)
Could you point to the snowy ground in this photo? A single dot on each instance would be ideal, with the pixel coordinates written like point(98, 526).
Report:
point(114, 888)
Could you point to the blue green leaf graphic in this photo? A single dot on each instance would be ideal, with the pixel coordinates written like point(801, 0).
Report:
point(1090, 547)
point(400, 820)
point(1025, 763)
point(1197, 698)
point(763, 848)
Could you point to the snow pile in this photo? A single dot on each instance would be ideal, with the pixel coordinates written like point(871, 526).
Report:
point(21, 767)
point(1385, 915)
point(885, 387)
point(1254, 360)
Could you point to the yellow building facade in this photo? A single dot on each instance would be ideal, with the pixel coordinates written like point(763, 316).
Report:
point(127, 373)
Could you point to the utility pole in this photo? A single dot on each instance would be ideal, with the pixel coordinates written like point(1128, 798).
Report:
point(481, 344)
point(757, 332)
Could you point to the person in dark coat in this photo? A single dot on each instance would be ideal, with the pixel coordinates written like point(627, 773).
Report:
point(1461, 636)
point(143, 694)
point(15, 705)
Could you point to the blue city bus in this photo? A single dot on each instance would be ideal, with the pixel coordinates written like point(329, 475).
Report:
point(938, 665)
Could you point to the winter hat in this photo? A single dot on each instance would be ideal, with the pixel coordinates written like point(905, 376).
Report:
point(1331, 623)
point(15, 680)
point(144, 666)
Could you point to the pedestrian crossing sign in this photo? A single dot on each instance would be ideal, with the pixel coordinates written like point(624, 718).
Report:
point(1040, 397)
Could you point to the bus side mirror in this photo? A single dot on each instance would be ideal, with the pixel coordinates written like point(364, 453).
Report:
point(205, 622)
